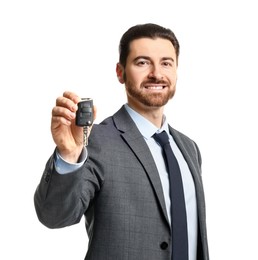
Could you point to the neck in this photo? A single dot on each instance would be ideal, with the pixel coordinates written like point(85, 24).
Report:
point(153, 114)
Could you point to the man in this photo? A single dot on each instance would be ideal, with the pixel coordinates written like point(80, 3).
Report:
point(120, 181)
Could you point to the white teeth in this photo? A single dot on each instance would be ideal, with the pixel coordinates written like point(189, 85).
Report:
point(155, 87)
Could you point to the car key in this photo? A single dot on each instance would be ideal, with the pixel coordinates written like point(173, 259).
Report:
point(84, 117)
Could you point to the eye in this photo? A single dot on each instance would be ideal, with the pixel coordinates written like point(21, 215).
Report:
point(167, 64)
point(142, 62)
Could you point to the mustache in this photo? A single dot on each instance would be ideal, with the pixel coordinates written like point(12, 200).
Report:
point(154, 81)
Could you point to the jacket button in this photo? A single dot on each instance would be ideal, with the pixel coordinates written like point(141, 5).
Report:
point(164, 245)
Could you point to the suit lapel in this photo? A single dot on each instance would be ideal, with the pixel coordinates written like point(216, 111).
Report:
point(137, 144)
point(189, 151)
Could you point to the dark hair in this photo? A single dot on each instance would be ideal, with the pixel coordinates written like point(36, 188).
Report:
point(148, 30)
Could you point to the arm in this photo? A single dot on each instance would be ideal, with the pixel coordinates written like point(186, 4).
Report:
point(61, 200)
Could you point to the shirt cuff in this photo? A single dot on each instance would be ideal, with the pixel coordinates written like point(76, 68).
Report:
point(64, 167)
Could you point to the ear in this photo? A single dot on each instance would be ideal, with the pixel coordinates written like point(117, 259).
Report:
point(120, 73)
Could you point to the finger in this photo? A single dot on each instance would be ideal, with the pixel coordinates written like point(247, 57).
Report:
point(72, 96)
point(94, 112)
point(59, 120)
point(63, 112)
point(66, 103)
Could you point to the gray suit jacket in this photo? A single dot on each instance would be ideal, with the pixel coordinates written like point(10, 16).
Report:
point(119, 191)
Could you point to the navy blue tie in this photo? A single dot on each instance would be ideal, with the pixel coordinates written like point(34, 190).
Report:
point(178, 211)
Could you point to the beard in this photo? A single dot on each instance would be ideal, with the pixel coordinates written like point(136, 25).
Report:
point(149, 99)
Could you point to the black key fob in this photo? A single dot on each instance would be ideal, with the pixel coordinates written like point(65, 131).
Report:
point(84, 113)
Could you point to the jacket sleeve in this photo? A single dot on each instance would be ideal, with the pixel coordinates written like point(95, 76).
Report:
point(61, 200)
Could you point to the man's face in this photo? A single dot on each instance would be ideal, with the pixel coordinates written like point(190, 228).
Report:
point(151, 73)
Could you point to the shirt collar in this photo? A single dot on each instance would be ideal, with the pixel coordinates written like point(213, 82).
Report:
point(146, 128)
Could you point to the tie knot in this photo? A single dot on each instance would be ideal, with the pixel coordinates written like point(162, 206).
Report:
point(161, 138)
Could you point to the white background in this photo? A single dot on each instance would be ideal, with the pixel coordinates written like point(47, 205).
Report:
point(50, 46)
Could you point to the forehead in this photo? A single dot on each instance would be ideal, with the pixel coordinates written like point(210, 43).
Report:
point(153, 48)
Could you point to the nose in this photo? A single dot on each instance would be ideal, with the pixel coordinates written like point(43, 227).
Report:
point(155, 73)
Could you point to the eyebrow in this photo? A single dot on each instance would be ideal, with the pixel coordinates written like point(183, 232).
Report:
point(149, 58)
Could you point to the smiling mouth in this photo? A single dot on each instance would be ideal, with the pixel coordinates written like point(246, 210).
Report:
point(156, 87)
